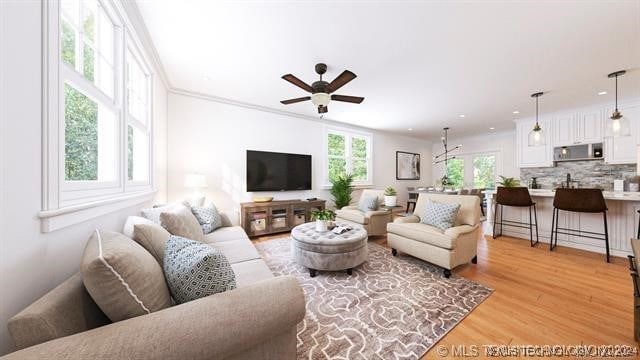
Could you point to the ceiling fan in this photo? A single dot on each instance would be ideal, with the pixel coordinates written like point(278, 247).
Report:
point(321, 90)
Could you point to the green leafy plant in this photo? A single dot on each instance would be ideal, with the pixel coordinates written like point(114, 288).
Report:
point(508, 182)
point(341, 189)
point(390, 191)
point(325, 214)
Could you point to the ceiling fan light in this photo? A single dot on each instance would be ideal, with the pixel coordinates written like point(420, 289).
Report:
point(320, 99)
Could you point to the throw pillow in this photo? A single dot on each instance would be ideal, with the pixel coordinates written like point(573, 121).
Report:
point(208, 217)
point(123, 279)
point(194, 270)
point(368, 203)
point(152, 237)
point(440, 215)
point(132, 221)
point(180, 221)
point(153, 214)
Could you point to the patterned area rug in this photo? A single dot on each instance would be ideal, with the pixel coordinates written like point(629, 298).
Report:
point(390, 308)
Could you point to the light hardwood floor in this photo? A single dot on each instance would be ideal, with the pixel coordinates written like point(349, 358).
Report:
point(567, 296)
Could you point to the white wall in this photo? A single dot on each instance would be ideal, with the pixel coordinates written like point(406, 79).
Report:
point(212, 138)
point(504, 143)
point(32, 263)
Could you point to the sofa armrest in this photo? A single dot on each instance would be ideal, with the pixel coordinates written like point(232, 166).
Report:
point(350, 207)
point(407, 219)
point(226, 218)
point(457, 231)
point(214, 327)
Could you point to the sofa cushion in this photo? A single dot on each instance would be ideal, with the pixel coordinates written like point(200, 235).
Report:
point(237, 250)
point(153, 238)
point(194, 270)
point(440, 215)
point(424, 233)
point(353, 215)
point(122, 277)
point(208, 217)
point(179, 221)
point(368, 202)
point(251, 272)
point(226, 234)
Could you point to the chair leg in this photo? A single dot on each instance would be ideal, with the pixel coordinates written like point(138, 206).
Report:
point(394, 252)
point(555, 238)
point(408, 203)
point(474, 260)
point(638, 237)
point(535, 214)
point(606, 234)
point(447, 273)
point(553, 224)
point(530, 228)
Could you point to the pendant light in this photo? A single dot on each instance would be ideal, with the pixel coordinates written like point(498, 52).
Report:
point(536, 135)
point(617, 125)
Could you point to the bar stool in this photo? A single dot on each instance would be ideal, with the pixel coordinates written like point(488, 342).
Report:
point(516, 197)
point(638, 237)
point(579, 200)
point(413, 199)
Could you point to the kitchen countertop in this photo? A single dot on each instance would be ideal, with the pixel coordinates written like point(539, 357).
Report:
point(608, 195)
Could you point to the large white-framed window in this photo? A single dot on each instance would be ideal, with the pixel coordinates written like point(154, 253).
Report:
point(348, 152)
point(97, 89)
point(473, 170)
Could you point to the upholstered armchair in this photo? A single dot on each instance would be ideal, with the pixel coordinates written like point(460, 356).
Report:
point(374, 221)
point(447, 249)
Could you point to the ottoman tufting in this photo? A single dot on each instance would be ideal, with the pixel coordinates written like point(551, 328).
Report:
point(326, 250)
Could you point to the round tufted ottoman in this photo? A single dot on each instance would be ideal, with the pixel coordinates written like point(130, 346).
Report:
point(328, 251)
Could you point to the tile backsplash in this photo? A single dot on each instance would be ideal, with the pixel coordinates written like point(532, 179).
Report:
point(589, 173)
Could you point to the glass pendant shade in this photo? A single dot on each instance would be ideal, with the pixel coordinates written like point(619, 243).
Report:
point(536, 137)
point(618, 127)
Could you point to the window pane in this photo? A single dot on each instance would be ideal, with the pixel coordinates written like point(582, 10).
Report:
point(90, 139)
point(137, 155)
point(337, 167)
point(88, 62)
point(360, 170)
point(484, 171)
point(455, 172)
point(137, 89)
point(68, 44)
point(336, 145)
point(358, 148)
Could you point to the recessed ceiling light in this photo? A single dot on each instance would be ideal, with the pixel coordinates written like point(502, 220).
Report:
point(516, 112)
point(602, 93)
point(462, 115)
point(206, 78)
point(492, 128)
point(410, 129)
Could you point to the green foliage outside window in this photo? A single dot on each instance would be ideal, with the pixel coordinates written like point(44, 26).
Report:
point(484, 172)
point(81, 136)
point(337, 157)
point(455, 173)
point(68, 44)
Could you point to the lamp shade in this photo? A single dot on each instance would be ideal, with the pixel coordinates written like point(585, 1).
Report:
point(617, 127)
point(195, 181)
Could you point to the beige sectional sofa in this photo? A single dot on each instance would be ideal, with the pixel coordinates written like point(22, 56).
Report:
point(255, 321)
point(447, 249)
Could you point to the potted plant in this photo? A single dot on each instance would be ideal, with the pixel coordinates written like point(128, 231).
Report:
point(508, 182)
point(341, 189)
point(323, 218)
point(390, 196)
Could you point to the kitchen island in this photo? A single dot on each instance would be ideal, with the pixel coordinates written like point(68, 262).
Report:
point(622, 219)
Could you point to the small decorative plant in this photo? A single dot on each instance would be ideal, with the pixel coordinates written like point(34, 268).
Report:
point(390, 191)
point(341, 189)
point(323, 215)
point(508, 182)
point(390, 197)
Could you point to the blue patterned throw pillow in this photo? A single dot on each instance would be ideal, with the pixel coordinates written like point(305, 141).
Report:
point(368, 203)
point(440, 215)
point(208, 217)
point(194, 270)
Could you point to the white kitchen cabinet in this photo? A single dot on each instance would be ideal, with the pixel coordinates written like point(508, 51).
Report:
point(623, 150)
point(584, 127)
point(533, 156)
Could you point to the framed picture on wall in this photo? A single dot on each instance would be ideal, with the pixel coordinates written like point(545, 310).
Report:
point(407, 166)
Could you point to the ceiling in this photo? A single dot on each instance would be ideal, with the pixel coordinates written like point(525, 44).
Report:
point(420, 65)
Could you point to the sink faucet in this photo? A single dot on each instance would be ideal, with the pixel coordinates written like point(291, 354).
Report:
point(568, 180)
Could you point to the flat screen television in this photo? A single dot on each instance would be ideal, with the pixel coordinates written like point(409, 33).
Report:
point(271, 171)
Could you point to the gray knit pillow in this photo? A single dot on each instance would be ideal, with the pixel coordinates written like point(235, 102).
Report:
point(440, 215)
point(208, 217)
point(194, 270)
point(368, 203)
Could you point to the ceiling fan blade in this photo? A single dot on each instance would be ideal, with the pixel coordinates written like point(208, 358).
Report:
point(322, 109)
point(345, 98)
point(293, 101)
point(297, 82)
point(342, 79)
